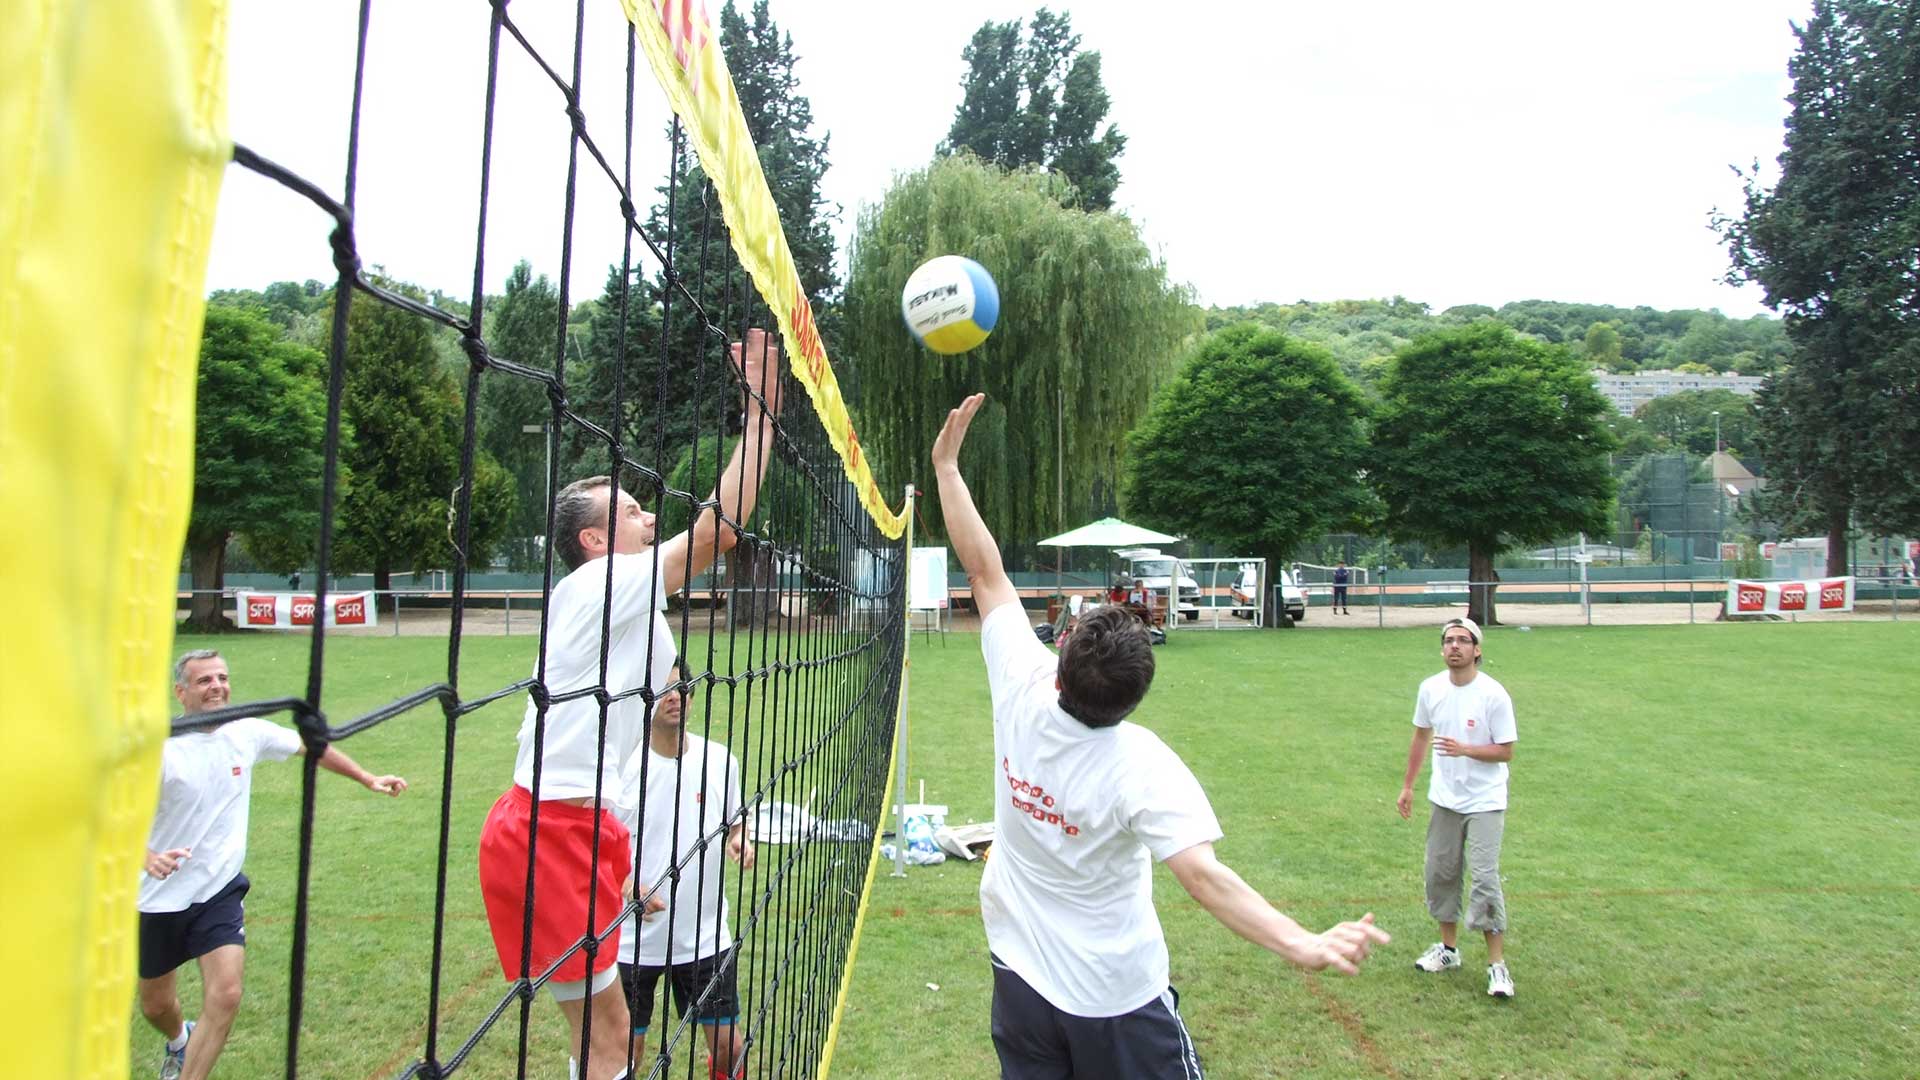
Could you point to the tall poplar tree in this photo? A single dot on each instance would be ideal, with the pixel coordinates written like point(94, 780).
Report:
point(1039, 100)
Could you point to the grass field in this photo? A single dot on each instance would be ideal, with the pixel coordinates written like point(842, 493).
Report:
point(1711, 861)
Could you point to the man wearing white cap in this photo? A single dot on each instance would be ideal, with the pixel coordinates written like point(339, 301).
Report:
point(1468, 718)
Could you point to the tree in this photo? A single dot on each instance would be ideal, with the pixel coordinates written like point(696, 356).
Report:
point(1603, 345)
point(522, 326)
point(259, 427)
point(1256, 445)
point(405, 460)
point(1686, 420)
point(1039, 101)
point(1833, 245)
point(1487, 439)
point(1089, 327)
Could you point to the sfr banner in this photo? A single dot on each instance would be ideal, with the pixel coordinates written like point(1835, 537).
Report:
point(1789, 597)
point(290, 611)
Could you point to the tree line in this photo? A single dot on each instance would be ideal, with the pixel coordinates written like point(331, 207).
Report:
point(1260, 428)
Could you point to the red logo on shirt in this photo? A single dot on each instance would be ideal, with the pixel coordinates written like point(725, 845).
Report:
point(700, 796)
point(236, 770)
point(1038, 805)
point(1469, 722)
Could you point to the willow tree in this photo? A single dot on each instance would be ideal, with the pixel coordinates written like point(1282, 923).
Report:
point(1089, 328)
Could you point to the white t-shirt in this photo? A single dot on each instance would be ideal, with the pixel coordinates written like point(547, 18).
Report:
point(206, 782)
point(704, 784)
point(1080, 815)
point(639, 625)
point(1478, 714)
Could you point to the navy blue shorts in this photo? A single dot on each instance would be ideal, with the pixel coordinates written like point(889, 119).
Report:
point(1036, 1041)
point(688, 982)
point(171, 938)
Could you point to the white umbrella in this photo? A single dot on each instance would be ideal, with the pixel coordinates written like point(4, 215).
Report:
point(1109, 533)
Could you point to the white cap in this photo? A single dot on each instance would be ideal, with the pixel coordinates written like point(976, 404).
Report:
point(1469, 625)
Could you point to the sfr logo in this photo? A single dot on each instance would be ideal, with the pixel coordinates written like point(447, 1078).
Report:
point(303, 611)
point(260, 611)
point(1793, 597)
point(1752, 598)
point(352, 611)
point(1833, 594)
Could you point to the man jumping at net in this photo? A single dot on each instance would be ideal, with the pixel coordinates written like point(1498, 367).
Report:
point(1086, 803)
point(191, 895)
point(581, 855)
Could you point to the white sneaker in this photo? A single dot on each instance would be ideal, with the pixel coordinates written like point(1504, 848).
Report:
point(1438, 958)
point(1499, 983)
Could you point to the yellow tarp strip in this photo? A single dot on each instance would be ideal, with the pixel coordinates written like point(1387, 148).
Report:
point(683, 49)
point(112, 145)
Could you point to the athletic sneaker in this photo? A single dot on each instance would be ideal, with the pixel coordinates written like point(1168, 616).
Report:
point(1438, 958)
point(176, 1060)
point(1499, 983)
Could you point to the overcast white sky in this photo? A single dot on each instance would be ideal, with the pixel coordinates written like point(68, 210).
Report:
point(1449, 152)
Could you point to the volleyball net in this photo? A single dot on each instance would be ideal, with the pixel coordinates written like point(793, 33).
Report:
point(793, 640)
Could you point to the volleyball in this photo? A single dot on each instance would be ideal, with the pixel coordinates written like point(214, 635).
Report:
point(950, 304)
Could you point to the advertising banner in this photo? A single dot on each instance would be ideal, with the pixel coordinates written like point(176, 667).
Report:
point(1789, 597)
point(293, 611)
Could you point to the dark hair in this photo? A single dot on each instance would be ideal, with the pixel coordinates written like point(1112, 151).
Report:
point(576, 508)
point(1106, 667)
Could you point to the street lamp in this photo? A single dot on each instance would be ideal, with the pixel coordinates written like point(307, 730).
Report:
point(546, 475)
point(1716, 431)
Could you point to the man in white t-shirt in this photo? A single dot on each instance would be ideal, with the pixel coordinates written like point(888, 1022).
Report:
point(1084, 804)
point(191, 894)
point(1468, 717)
point(567, 776)
point(690, 790)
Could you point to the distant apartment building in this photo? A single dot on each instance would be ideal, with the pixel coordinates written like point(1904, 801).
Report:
point(1629, 392)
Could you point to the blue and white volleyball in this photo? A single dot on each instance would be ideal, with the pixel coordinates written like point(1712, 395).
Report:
point(950, 304)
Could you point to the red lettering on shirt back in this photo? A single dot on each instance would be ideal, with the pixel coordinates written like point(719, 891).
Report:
point(1037, 804)
point(236, 770)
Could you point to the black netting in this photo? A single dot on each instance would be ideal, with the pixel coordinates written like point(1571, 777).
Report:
point(792, 640)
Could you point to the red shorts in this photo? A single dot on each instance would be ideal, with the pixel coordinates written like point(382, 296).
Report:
point(564, 876)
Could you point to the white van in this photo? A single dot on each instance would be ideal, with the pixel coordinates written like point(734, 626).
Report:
point(1158, 571)
point(1290, 594)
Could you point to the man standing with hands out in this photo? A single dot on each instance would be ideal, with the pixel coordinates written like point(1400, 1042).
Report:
point(1468, 718)
point(1086, 803)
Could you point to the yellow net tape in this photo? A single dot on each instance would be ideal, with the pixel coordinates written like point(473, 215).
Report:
point(684, 51)
point(112, 120)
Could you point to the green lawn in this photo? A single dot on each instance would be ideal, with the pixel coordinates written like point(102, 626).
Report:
point(1711, 861)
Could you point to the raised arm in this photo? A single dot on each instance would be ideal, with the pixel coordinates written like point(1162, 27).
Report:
point(979, 555)
point(689, 554)
point(1245, 912)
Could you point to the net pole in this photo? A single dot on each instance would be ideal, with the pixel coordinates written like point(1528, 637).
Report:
point(900, 728)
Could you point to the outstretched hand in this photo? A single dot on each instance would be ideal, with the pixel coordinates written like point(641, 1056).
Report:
point(946, 448)
point(1343, 947)
point(386, 785)
point(757, 359)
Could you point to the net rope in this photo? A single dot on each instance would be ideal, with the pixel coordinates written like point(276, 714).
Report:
point(803, 695)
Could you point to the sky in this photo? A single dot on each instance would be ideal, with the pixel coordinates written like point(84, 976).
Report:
point(1451, 153)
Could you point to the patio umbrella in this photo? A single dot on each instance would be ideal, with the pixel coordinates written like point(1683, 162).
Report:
point(1105, 533)
point(1109, 533)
